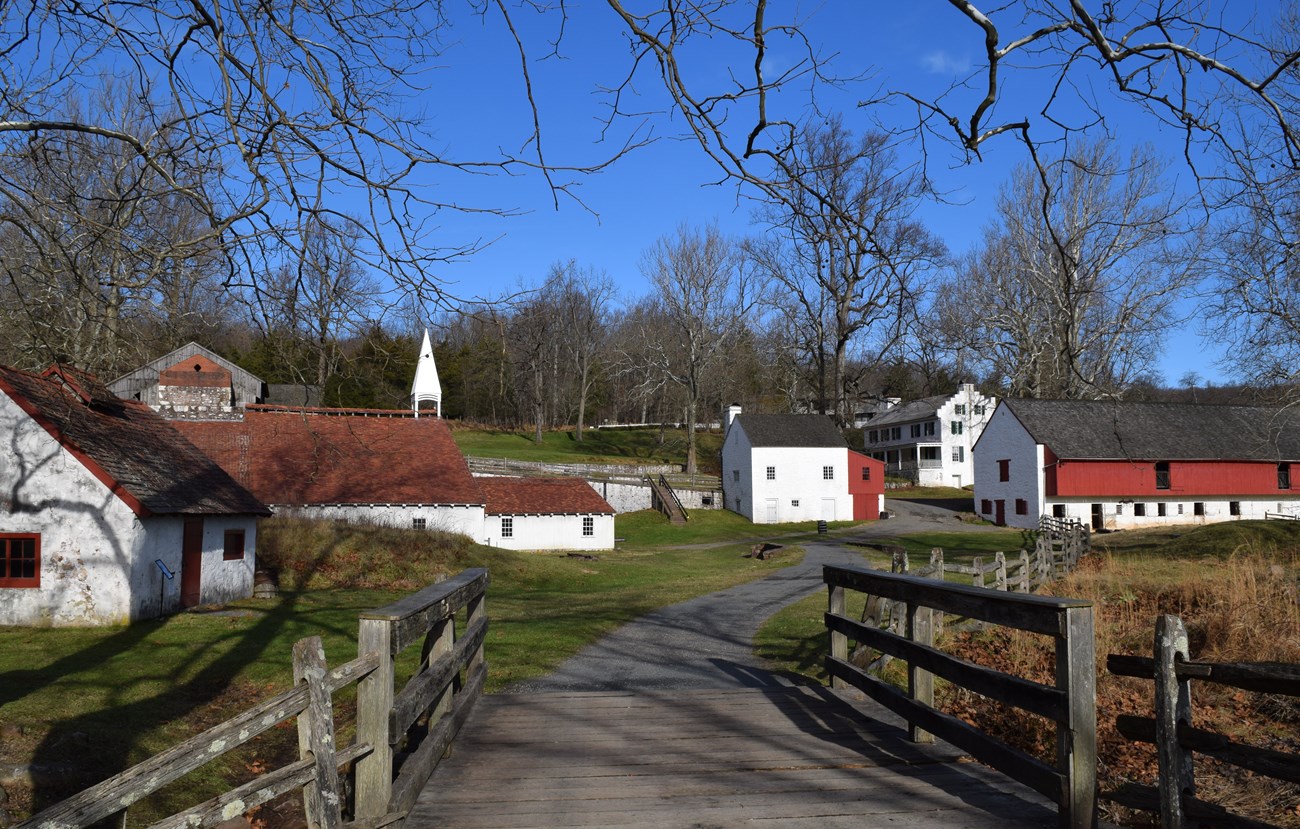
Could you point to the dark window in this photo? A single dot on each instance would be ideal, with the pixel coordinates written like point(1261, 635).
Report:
point(1160, 510)
point(771, 473)
point(234, 548)
point(916, 430)
point(1004, 470)
point(1284, 476)
point(20, 560)
point(1022, 506)
point(1198, 508)
point(794, 502)
point(956, 427)
point(986, 506)
point(959, 409)
point(872, 436)
point(418, 523)
point(866, 473)
point(735, 475)
point(828, 473)
point(1234, 508)
point(1162, 475)
point(1140, 510)
point(507, 528)
point(588, 525)
point(1058, 510)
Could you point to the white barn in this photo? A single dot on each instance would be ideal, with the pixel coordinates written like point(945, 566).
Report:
point(107, 514)
point(783, 468)
point(546, 514)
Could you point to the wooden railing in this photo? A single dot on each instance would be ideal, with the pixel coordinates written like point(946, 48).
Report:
point(415, 725)
point(316, 771)
point(1071, 702)
point(1176, 739)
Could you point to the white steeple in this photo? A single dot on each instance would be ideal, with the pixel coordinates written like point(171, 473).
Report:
point(426, 385)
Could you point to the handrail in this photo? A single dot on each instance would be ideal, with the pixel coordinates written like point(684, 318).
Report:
point(1070, 702)
point(385, 716)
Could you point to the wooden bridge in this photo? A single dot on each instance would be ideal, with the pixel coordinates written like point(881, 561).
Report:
point(777, 757)
point(429, 752)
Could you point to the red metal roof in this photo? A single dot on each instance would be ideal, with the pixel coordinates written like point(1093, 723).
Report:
point(541, 496)
point(137, 454)
point(321, 456)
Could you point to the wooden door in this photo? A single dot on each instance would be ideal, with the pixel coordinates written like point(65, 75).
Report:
point(828, 509)
point(1098, 521)
point(771, 511)
point(1001, 512)
point(191, 561)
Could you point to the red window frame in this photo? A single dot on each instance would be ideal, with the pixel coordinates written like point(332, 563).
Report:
point(234, 539)
point(6, 556)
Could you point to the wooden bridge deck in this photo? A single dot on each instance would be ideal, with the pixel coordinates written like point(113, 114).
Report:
point(709, 759)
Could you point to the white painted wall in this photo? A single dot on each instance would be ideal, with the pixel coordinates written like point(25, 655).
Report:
point(97, 556)
point(552, 532)
point(1005, 438)
point(453, 518)
point(631, 497)
point(1121, 515)
point(799, 491)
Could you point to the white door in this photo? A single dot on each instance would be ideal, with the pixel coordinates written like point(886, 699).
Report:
point(956, 481)
point(771, 510)
point(828, 509)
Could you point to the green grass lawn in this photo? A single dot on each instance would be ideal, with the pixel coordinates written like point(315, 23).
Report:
point(612, 446)
point(650, 529)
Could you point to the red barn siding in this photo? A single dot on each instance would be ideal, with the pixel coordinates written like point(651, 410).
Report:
point(1138, 478)
point(866, 493)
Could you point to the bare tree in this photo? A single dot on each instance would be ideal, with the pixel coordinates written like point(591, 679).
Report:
point(706, 294)
point(847, 260)
point(1071, 293)
point(584, 298)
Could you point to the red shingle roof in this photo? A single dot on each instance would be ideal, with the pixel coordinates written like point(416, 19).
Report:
point(541, 496)
point(132, 450)
point(321, 456)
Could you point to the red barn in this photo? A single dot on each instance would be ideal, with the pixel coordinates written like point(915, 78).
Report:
point(866, 485)
point(1116, 465)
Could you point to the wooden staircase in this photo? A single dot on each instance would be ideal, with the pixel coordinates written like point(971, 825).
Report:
point(665, 500)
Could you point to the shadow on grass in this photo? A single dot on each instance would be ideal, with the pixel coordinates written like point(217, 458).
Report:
point(84, 749)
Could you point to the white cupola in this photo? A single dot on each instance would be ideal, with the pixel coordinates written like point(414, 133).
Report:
point(426, 385)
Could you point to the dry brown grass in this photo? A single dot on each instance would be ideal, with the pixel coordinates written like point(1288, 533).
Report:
point(1238, 608)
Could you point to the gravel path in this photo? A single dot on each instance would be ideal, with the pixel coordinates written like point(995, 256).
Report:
point(707, 642)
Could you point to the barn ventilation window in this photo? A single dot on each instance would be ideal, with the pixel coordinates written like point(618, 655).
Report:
point(1162, 475)
point(1140, 510)
point(1234, 508)
point(417, 523)
point(1284, 476)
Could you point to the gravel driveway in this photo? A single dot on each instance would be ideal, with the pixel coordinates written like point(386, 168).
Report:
point(707, 642)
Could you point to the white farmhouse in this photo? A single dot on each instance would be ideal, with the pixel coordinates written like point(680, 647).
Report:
point(107, 514)
point(783, 468)
point(929, 441)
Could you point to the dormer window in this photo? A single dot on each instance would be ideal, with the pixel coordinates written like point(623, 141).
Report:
point(1162, 475)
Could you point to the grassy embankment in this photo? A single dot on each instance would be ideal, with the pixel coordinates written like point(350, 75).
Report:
point(612, 446)
point(77, 705)
point(1234, 585)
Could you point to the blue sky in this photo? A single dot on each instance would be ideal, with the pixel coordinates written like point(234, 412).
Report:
point(477, 105)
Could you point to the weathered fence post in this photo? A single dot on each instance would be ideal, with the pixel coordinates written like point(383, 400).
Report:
point(320, 798)
point(1000, 574)
point(1173, 707)
point(1026, 577)
point(839, 642)
point(977, 571)
point(374, 774)
point(1076, 739)
point(920, 684)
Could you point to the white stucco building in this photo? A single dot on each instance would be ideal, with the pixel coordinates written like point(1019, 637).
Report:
point(1119, 465)
point(107, 514)
point(929, 441)
point(546, 514)
point(784, 468)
